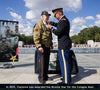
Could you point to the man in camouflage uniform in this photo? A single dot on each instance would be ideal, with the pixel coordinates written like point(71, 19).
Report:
point(16, 30)
point(43, 41)
point(8, 32)
point(4, 48)
point(0, 36)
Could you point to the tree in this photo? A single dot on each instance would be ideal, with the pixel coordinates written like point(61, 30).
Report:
point(92, 33)
point(27, 39)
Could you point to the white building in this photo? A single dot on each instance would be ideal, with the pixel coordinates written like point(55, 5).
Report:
point(91, 43)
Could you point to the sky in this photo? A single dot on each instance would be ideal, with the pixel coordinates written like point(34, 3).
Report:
point(81, 13)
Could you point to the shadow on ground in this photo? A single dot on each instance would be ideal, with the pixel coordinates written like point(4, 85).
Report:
point(83, 73)
point(24, 65)
point(21, 65)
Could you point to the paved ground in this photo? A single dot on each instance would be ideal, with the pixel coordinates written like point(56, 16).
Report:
point(23, 71)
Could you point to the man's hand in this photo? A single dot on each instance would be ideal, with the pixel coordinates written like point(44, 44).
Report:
point(50, 22)
point(41, 50)
point(51, 47)
point(49, 26)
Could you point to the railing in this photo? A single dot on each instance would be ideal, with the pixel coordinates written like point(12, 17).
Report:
point(26, 51)
point(86, 50)
point(76, 50)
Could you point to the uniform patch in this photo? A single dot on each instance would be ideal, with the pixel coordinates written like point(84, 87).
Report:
point(36, 29)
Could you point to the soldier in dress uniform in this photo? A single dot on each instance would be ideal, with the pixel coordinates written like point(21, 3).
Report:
point(43, 41)
point(8, 32)
point(64, 42)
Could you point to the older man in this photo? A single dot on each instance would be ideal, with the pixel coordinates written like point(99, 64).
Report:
point(64, 42)
point(43, 41)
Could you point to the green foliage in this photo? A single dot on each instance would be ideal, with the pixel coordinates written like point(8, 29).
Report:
point(27, 39)
point(92, 33)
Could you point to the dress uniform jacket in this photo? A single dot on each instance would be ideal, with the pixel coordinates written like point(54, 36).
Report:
point(64, 44)
point(62, 32)
point(42, 35)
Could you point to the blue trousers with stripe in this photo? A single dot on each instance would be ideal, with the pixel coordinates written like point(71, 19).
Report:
point(65, 65)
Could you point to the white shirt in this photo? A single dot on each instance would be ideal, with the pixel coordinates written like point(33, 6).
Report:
point(45, 24)
point(61, 18)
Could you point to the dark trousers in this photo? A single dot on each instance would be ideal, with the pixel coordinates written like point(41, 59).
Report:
point(43, 63)
point(65, 65)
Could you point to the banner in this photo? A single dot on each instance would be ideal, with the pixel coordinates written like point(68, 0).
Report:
point(9, 36)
